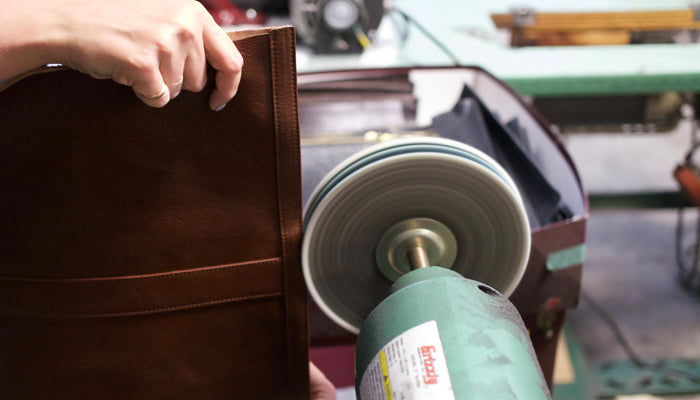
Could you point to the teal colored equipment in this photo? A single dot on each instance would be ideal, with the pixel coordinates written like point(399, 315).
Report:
point(477, 335)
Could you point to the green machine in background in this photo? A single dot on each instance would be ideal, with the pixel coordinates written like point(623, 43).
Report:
point(414, 244)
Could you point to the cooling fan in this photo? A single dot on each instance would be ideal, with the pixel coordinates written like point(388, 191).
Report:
point(337, 26)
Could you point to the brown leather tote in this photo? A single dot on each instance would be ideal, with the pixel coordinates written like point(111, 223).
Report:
point(153, 253)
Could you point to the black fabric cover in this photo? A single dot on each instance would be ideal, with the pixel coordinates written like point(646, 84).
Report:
point(472, 123)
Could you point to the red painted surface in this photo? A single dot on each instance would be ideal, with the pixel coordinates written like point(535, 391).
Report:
point(226, 13)
point(337, 362)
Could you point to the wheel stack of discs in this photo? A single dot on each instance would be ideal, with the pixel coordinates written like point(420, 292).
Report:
point(463, 202)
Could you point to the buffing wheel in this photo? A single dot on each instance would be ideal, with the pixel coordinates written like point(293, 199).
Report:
point(400, 184)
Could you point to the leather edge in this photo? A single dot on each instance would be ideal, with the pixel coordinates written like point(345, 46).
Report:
point(40, 70)
point(248, 33)
point(286, 119)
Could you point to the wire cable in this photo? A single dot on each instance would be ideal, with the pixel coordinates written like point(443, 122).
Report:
point(409, 19)
point(687, 273)
point(625, 344)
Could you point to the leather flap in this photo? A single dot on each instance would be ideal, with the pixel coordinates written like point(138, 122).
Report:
point(141, 294)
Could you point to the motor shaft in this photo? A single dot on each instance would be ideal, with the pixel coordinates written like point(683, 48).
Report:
point(415, 243)
point(418, 257)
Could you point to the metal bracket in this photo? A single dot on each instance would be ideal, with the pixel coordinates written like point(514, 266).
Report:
point(523, 16)
point(696, 11)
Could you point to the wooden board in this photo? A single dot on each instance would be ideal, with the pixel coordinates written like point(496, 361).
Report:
point(556, 29)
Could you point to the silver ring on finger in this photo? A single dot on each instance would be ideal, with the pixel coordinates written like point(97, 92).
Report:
point(158, 96)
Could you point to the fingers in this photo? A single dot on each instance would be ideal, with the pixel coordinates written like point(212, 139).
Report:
point(172, 67)
point(321, 387)
point(195, 66)
point(151, 89)
point(165, 51)
point(184, 66)
point(226, 60)
point(179, 64)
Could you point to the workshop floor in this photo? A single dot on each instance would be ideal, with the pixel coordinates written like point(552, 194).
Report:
point(630, 265)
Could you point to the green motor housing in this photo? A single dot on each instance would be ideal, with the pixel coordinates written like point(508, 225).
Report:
point(442, 336)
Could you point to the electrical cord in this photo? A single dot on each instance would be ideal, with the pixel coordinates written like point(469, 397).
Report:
point(409, 19)
point(400, 26)
point(629, 351)
point(687, 273)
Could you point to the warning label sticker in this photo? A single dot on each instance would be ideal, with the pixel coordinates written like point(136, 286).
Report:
point(411, 366)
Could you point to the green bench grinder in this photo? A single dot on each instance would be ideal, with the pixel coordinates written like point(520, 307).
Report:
point(415, 244)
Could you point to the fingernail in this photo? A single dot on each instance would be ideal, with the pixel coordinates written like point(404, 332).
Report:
point(221, 107)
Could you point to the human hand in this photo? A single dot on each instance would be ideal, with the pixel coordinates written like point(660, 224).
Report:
point(321, 387)
point(157, 47)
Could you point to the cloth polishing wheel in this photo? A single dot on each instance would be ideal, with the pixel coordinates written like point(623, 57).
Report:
point(366, 216)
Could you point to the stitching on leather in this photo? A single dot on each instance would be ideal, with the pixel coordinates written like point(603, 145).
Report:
point(285, 273)
point(273, 35)
point(114, 280)
point(145, 312)
point(275, 101)
point(187, 273)
point(297, 161)
point(296, 216)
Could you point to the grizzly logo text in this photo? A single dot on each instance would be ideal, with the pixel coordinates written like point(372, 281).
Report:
point(430, 377)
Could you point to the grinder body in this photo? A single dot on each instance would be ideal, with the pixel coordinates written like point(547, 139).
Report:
point(442, 336)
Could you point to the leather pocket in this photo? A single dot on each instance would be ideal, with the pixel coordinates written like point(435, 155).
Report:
point(178, 335)
point(140, 294)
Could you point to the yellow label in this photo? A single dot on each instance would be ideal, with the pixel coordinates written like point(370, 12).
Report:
point(385, 375)
point(411, 366)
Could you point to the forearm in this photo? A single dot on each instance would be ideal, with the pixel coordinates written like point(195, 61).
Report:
point(28, 37)
point(157, 47)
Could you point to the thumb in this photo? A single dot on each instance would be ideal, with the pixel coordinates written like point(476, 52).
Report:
point(321, 387)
